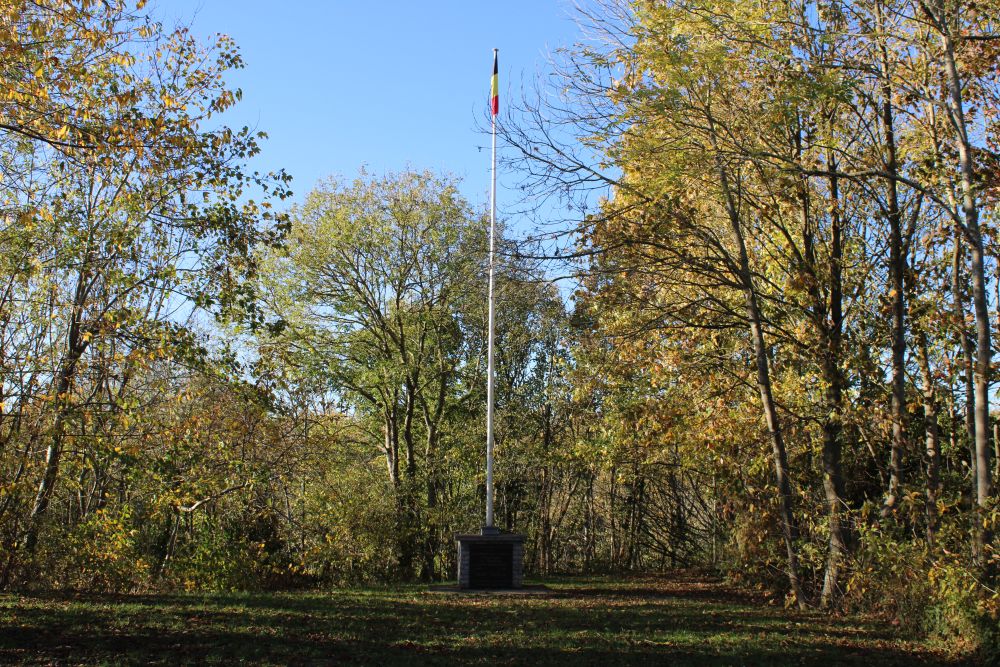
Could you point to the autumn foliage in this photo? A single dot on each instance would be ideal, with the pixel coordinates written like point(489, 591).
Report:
point(777, 362)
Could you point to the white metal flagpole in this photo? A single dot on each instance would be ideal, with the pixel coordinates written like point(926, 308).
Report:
point(494, 85)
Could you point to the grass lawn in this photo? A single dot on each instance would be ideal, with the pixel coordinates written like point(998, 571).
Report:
point(643, 621)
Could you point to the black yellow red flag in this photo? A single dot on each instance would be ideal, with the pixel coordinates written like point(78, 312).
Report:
point(495, 88)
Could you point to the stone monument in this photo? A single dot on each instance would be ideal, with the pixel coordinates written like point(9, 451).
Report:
point(490, 560)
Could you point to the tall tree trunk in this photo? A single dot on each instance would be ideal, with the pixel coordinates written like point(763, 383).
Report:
point(53, 453)
point(432, 419)
point(76, 345)
point(828, 319)
point(409, 442)
point(833, 478)
point(755, 321)
point(968, 354)
point(897, 272)
point(545, 501)
point(996, 448)
point(954, 103)
point(612, 521)
point(931, 439)
point(408, 497)
point(996, 425)
point(391, 446)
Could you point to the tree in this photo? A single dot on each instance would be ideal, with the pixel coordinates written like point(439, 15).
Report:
point(783, 170)
point(130, 217)
point(373, 297)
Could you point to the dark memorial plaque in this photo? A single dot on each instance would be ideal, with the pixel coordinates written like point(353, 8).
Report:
point(491, 565)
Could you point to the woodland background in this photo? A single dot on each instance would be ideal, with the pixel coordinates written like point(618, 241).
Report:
point(777, 364)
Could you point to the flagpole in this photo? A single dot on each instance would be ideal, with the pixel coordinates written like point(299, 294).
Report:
point(489, 345)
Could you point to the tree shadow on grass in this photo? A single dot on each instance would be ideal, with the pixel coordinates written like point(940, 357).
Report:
point(609, 624)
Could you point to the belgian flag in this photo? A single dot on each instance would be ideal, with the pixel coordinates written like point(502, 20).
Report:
point(495, 87)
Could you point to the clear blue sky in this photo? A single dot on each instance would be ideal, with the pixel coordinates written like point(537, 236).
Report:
point(391, 84)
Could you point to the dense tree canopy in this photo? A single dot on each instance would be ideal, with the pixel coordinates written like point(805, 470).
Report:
point(123, 218)
point(797, 246)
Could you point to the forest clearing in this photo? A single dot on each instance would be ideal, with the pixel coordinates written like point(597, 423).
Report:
point(595, 294)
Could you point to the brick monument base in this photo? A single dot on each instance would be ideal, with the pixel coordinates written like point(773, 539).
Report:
point(490, 560)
